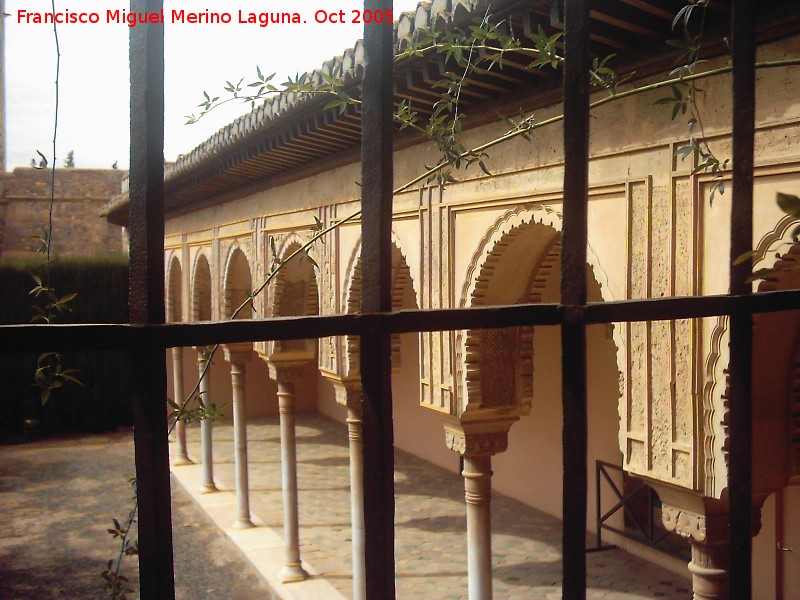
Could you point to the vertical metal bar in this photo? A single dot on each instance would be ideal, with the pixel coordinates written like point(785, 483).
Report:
point(573, 294)
point(146, 303)
point(2, 86)
point(598, 517)
point(741, 341)
point(376, 253)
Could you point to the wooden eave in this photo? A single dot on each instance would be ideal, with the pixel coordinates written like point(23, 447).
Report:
point(306, 135)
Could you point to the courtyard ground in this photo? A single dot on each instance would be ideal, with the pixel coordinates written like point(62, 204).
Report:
point(430, 525)
point(58, 498)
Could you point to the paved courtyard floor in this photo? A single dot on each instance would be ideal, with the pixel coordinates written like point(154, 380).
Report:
point(430, 524)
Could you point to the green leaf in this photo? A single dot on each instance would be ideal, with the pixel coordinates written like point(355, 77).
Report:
point(789, 203)
point(742, 258)
point(761, 274)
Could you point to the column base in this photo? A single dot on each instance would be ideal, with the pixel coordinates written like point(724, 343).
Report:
point(292, 572)
point(181, 460)
point(208, 488)
point(243, 523)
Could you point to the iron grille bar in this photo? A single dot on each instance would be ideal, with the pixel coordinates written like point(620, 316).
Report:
point(741, 331)
point(573, 295)
point(34, 338)
point(147, 336)
point(146, 304)
point(376, 269)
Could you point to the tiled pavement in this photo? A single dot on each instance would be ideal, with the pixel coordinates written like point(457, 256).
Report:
point(430, 522)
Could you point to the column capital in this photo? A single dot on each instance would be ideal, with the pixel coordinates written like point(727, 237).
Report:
point(348, 391)
point(704, 522)
point(284, 367)
point(203, 353)
point(476, 444)
point(699, 527)
point(698, 517)
point(476, 438)
point(238, 353)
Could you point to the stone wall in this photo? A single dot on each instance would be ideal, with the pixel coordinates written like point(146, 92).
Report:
point(78, 230)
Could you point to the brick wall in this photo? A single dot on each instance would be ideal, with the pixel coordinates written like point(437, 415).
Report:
point(78, 230)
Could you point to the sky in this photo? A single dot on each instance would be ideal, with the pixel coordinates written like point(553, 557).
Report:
point(93, 116)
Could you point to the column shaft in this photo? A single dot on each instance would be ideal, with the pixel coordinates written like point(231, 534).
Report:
point(240, 447)
point(478, 493)
point(292, 570)
point(357, 498)
point(206, 427)
point(181, 456)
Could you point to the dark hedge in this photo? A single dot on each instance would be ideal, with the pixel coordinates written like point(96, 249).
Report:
point(104, 400)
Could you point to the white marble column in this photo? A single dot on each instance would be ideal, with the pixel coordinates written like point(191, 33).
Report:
point(180, 455)
point(477, 475)
point(206, 426)
point(357, 494)
point(476, 443)
point(292, 569)
point(237, 360)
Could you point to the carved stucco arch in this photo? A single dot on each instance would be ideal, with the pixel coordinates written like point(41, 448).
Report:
point(401, 278)
point(715, 407)
point(235, 250)
point(794, 413)
point(479, 276)
point(202, 287)
point(715, 412)
point(787, 264)
point(174, 288)
point(295, 298)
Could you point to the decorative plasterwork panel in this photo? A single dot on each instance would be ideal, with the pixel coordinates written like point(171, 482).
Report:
point(436, 372)
point(657, 436)
point(329, 293)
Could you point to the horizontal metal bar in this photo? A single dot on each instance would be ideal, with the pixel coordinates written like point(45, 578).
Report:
point(689, 307)
point(30, 338)
point(33, 338)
